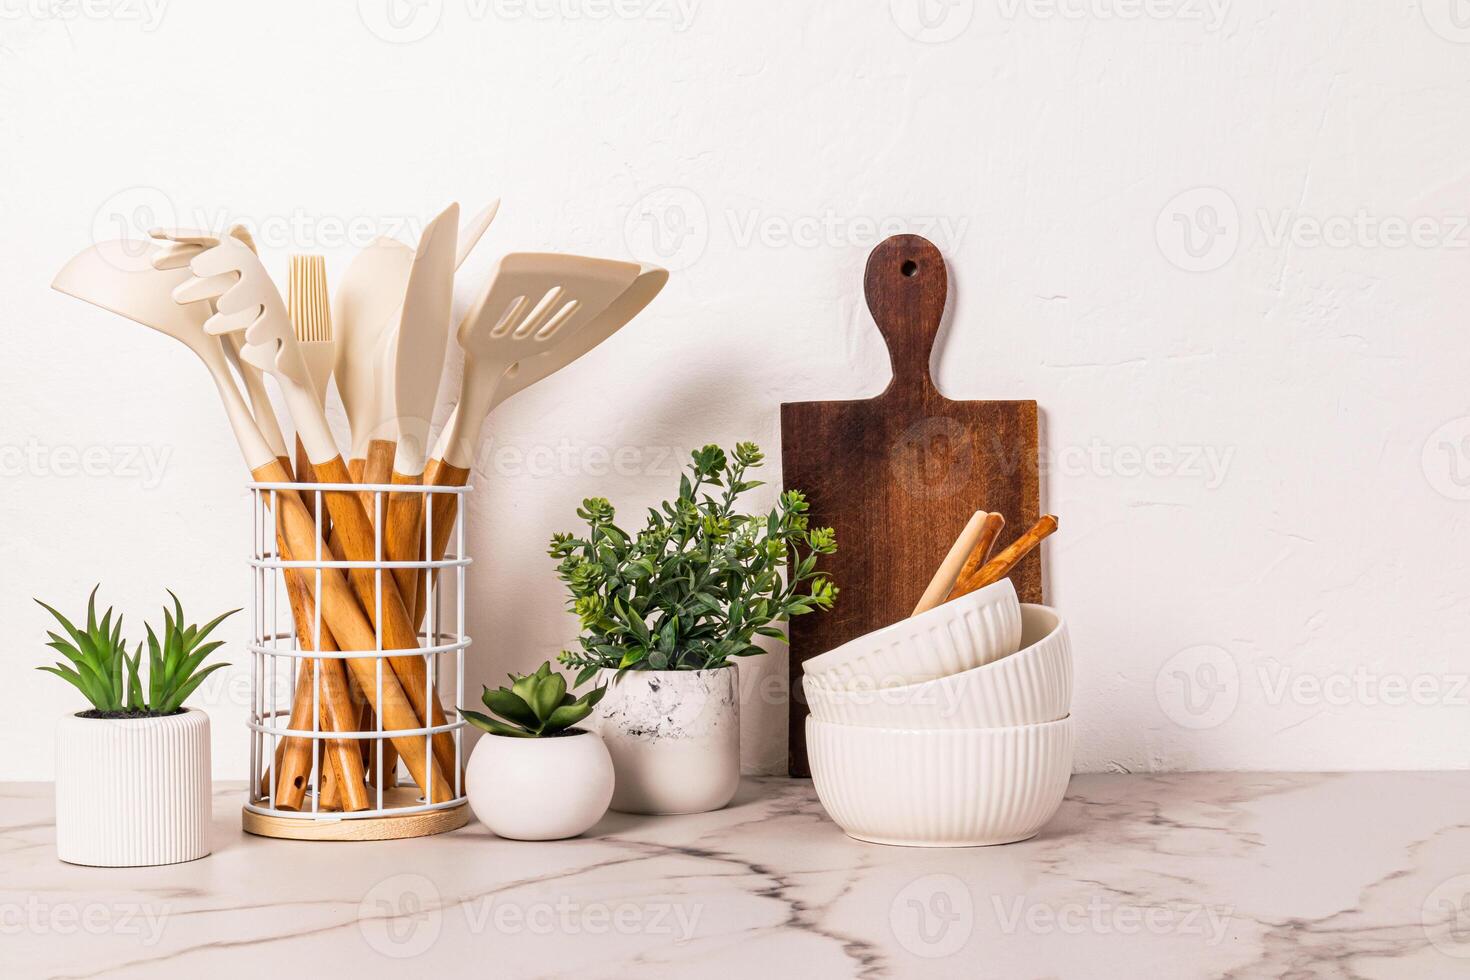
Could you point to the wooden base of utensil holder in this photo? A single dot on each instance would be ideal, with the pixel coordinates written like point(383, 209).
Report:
point(424, 823)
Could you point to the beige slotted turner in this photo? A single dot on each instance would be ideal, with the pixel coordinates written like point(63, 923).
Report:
point(535, 303)
point(531, 297)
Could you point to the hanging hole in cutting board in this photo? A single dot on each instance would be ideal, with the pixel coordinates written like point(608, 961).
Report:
point(909, 268)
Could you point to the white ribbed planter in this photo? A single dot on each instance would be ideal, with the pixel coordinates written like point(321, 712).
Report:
point(674, 736)
point(132, 792)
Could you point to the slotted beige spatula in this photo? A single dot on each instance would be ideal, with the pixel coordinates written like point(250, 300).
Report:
point(531, 297)
point(630, 303)
point(534, 303)
point(523, 374)
point(260, 403)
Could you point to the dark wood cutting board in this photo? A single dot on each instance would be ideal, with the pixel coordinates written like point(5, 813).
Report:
point(898, 476)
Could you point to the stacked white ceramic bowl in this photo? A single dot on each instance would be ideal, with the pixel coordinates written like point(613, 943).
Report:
point(948, 729)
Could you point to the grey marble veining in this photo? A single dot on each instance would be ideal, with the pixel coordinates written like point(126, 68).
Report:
point(1203, 874)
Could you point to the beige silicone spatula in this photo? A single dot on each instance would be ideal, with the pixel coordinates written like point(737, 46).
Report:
point(380, 281)
point(469, 235)
point(523, 374)
point(418, 360)
point(420, 340)
point(408, 359)
point(366, 313)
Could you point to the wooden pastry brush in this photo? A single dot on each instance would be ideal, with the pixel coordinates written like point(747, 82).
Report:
point(311, 320)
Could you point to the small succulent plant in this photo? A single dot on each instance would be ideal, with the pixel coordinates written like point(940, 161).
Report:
point(112, 681)
point(534, 706)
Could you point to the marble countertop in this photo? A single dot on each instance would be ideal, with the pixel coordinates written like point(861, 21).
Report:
point(1200, 874)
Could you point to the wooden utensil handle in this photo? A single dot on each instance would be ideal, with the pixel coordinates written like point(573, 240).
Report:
point(443, 509)
point(906, 286)
point(1000, 566)
point(323, 682)
point(350, 524)
point(401, 539)
point(949, 569)
point(374, 469)
point(990, 529)
point(377, 467)
point(352, 629)
point(293, 755)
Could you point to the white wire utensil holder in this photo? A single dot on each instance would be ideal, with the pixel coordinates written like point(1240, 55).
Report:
point(278, 656)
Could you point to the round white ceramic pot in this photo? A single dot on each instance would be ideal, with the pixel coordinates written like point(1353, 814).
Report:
point(539, 788)
point(674, 736)
point(132, 791)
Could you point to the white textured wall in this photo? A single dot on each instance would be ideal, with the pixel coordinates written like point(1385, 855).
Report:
point(1258, 436)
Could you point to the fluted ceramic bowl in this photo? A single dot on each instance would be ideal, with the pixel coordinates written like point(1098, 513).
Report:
point(940, 788)
point(1031, 686)
point(955, 636)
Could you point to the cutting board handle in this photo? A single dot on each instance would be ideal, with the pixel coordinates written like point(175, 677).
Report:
point(906, 286)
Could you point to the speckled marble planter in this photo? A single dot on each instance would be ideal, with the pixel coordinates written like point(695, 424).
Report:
point(674, 736)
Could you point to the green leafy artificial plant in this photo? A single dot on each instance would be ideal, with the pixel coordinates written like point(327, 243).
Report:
point(697, 585)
